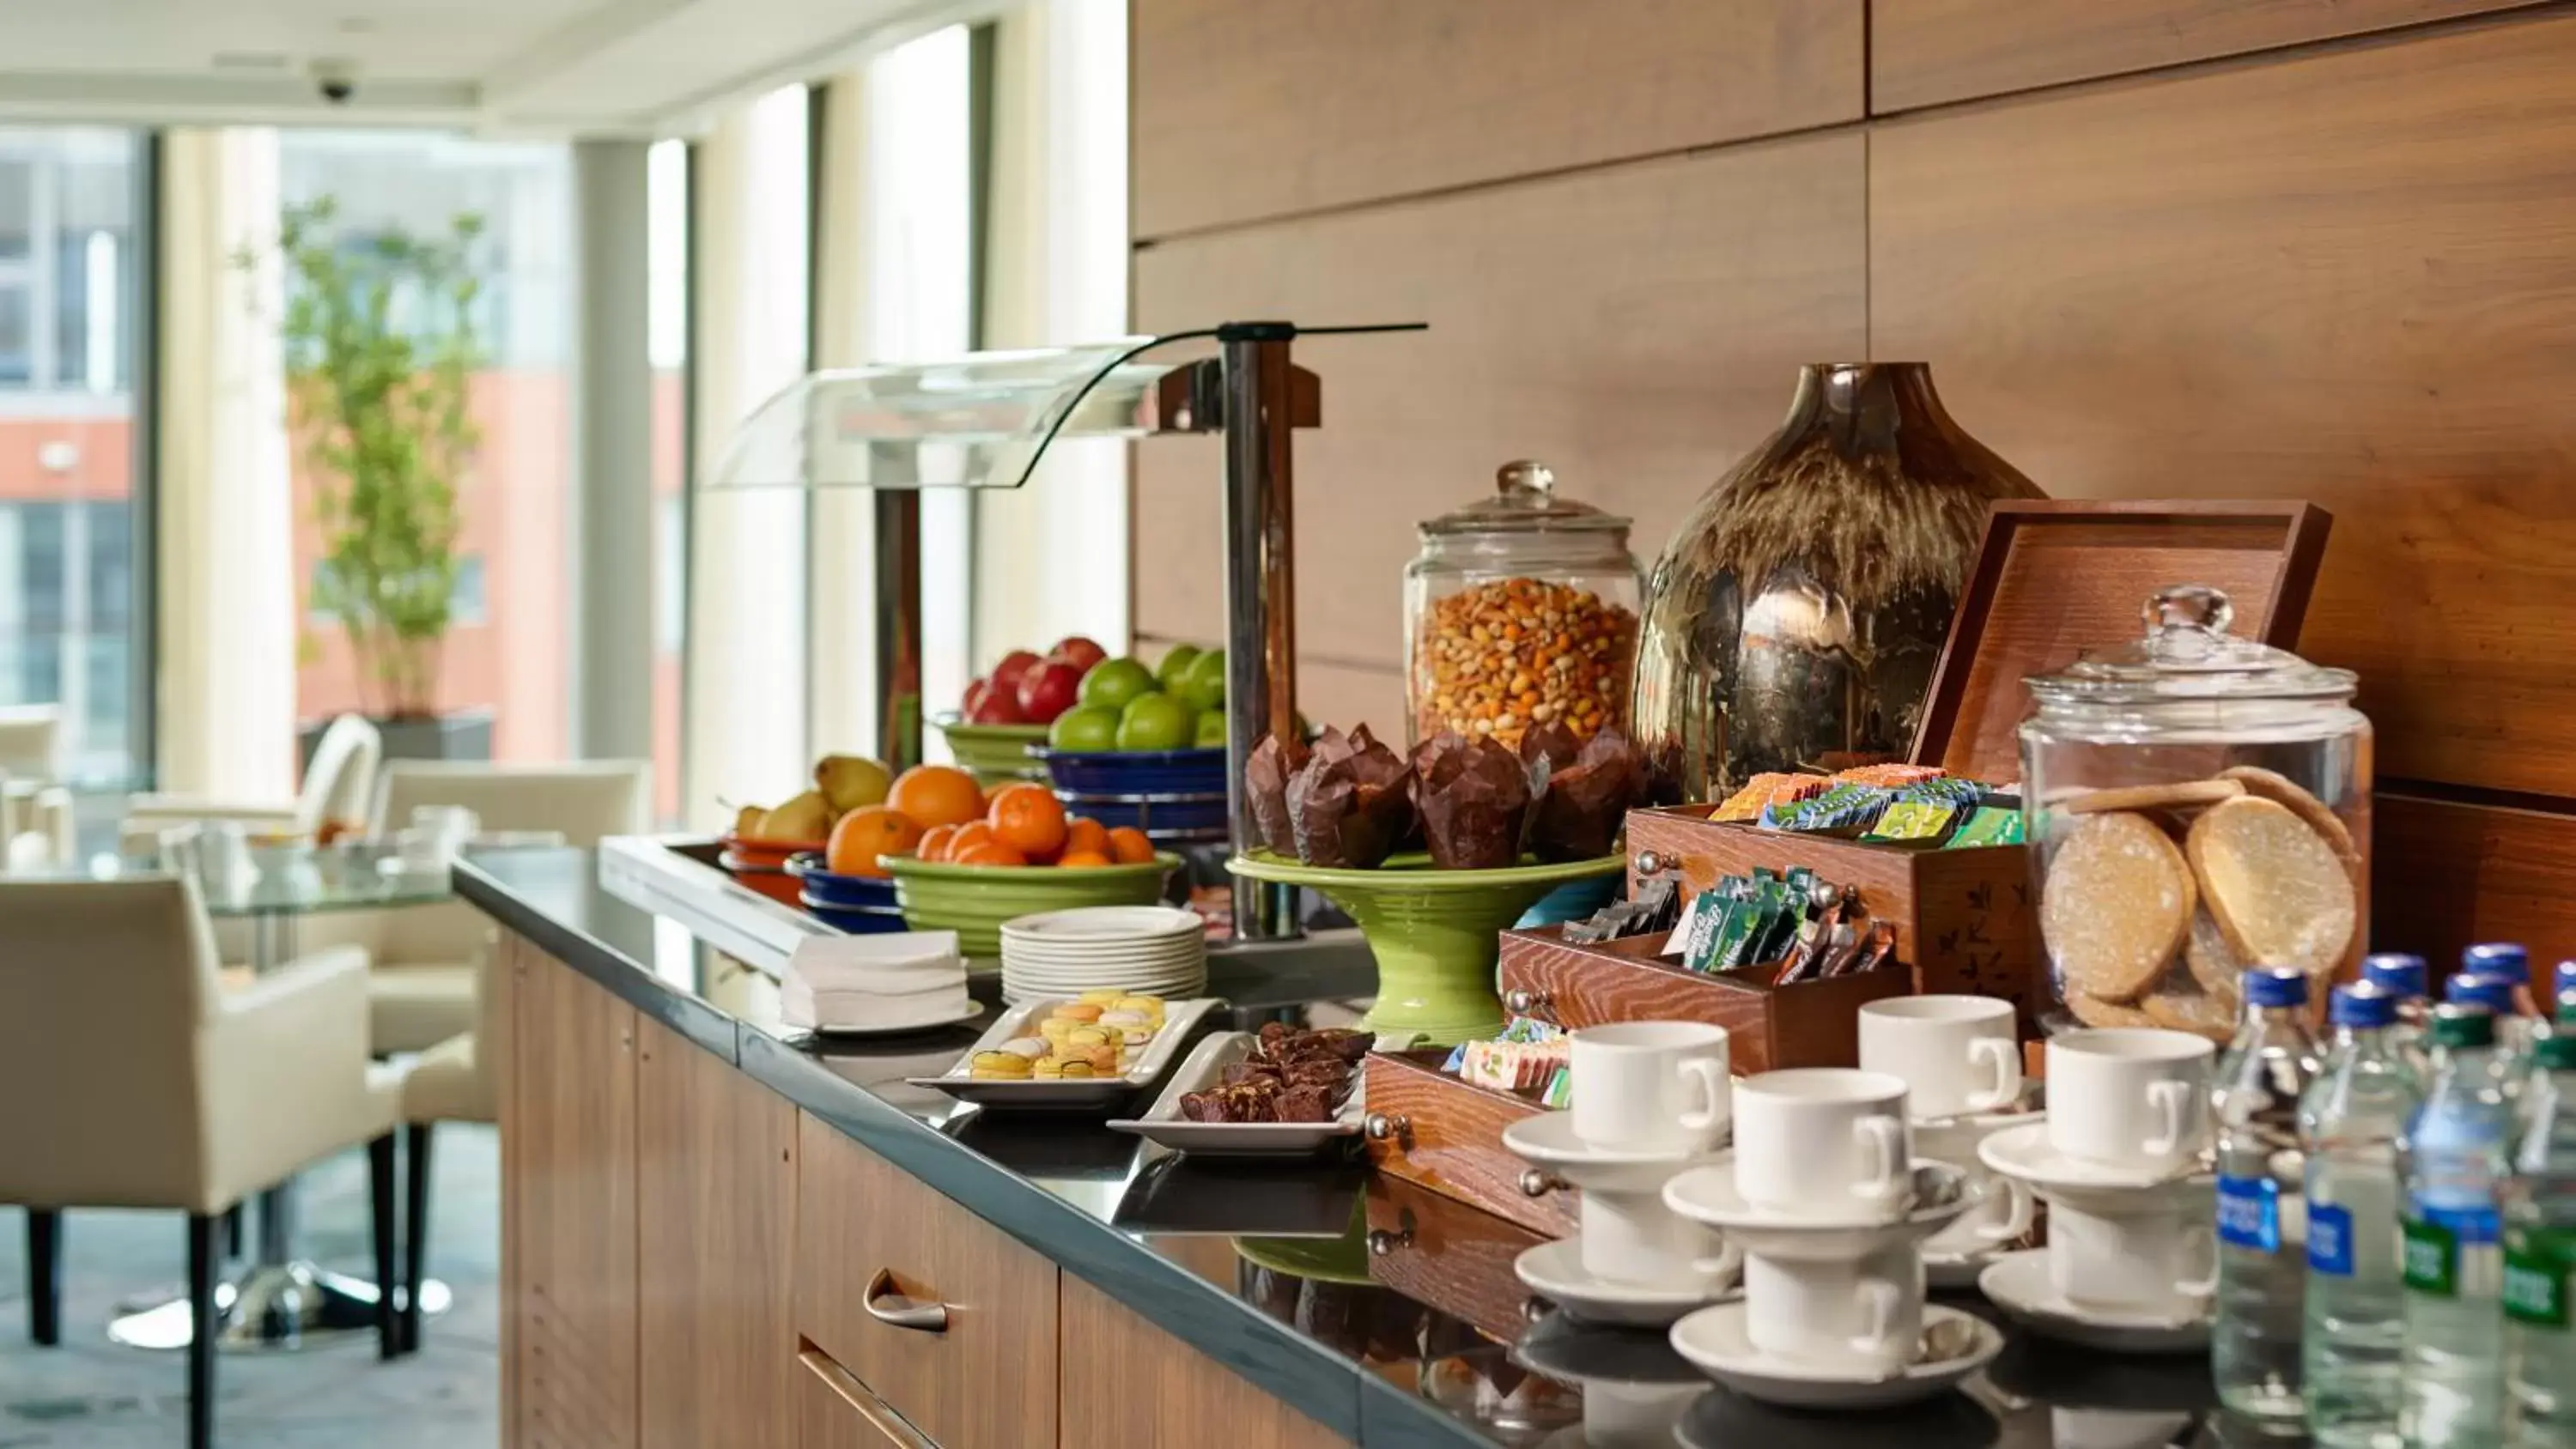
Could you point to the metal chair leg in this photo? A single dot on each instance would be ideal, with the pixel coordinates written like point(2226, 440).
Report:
point(415, 1230)
point(201, 1330)
point(385, 1232)
point(45, 1276)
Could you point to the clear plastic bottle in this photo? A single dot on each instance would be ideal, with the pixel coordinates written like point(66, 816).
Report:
point(2402, 976)
point(2455, 1155)
point(2499, 958)
point(2494, 991)
point(2349, 1122)
point(2254, 1344)
point(2539, 1263)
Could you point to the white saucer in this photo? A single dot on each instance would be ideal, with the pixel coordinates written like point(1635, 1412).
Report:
point(1554, 1271)
point(1960, 1270)
point(1547, 1140)
point(2026, 1153)
point(2023, 1108)
point(1799, 1235)
point(2018, 1283)
point(1717, 1341)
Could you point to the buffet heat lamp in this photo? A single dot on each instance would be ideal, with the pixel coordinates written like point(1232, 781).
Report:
point(985, 419)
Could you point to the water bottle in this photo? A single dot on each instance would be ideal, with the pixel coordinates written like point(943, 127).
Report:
point(2493, 991)
point(2349, 1121)
point(2254, 1344)
point(2539, 1260)
point(2455, 1155)
point(2497, 958)
point(2402, 976)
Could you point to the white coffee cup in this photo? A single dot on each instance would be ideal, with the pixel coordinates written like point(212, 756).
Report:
point(2133, 1098)
point(1828, 1138)
point(2001, 1215)
point(1957, 1054)
point(1635, 1238)
point(1650, 1086)
point(2159, 1262)
point(1862, 1317)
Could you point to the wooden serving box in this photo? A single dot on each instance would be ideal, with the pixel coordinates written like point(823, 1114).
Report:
point(1446, 1134)
point(1803, 1024)
point(1442, 1252)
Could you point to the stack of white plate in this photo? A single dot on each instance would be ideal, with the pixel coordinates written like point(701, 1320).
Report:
point(1144, 950)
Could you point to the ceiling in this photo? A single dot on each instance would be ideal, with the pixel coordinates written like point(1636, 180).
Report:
point(510, 67)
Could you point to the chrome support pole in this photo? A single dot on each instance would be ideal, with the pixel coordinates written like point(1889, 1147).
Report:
point(898, 641)
point(1260, 590)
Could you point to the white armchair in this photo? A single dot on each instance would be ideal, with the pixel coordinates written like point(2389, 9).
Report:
point(338, 785)
point(133, 1079)
point(36, 824)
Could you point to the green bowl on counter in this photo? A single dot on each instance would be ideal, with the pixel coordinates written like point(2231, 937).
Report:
point(975, 900)
point(1436, 934)
point(995, 753)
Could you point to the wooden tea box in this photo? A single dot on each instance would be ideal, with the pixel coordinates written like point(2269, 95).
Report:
point(1445, 1253)
point(1446, 1134)
point(1803, 1024)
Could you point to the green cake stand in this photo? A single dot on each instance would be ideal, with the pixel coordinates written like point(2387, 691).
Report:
point(1436, 934)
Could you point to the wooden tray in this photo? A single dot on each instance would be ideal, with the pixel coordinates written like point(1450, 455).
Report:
point(1440, 1251)
point(1446, 1134)
point(1804, 1024)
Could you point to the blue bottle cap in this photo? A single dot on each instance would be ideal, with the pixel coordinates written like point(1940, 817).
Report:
point(2276, 986)
point(2398, 973)
point(2493, 992)
point(2504, 956)
point(2364, 1004)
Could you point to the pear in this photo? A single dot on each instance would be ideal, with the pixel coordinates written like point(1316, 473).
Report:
point(750, 823)
point(807, 817)
point(851, 781)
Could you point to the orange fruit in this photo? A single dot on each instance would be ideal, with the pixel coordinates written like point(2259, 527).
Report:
point(1028, 819)
point(1079, 859)
point(1082, 833)
point(968, 836)
point(934, 842)
point(864, 835)
point(1129, 845)
point(935, 795)
point(991, 852)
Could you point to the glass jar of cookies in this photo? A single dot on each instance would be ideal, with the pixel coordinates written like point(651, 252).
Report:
point(2197, 805)
point(1521, 608)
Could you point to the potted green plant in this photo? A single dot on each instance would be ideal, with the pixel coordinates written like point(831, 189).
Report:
point(381, 348)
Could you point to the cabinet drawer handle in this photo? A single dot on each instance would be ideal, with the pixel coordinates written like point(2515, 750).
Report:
point(1522, 1001)
point(924, 1317)
point(1535, 1183)
point(1387, 1127)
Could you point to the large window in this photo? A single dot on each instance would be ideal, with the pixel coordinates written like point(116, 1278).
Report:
point(667, 331)
point(507, 645)
point(69, 623)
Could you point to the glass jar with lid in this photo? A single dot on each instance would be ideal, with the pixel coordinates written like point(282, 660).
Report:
point(1521, 608)
point(2197, 805)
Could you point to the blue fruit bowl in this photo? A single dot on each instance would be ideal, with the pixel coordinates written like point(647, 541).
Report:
point(839, 892)
point(1161, 817)
point(856, 920)
point(1134, 772)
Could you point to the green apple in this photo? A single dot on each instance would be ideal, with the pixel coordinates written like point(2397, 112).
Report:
point(1113, 682)
point(1203, 683)
point(1174, 665)
point(1155, 722)
point(1084, 727)
point(1211, 730)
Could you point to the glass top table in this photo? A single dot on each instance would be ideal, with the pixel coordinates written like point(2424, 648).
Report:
point(279, 1300)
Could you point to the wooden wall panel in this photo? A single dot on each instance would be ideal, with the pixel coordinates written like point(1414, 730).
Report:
point(1638, 326)
point(2341, 276)
point(1248, 109)
point(2446, 875)
point(1923, 52)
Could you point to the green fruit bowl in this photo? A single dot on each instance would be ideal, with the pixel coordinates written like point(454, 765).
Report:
point(974, 900)
point(1436, 934)
point(995, 753)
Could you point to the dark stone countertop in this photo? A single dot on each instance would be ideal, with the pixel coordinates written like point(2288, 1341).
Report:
point(1267, 1267)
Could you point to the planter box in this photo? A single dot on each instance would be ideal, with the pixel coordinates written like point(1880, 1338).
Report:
point(462, 734)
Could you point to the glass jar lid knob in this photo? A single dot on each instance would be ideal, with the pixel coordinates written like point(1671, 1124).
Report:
point(1525, 475)
point(2187, 621)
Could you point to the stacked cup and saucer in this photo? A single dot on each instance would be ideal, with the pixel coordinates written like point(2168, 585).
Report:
point(1960, 1059)
point(1830, 1209)
point(2121, 1160)
point(1650, 1102)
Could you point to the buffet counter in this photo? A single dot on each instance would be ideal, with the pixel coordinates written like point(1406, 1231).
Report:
point(717, 1230)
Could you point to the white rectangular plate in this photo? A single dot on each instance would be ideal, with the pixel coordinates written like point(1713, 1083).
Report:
point(1205, 1068)
point(960, 1082)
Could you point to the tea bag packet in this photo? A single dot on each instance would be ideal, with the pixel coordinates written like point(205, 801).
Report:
point(1765, 790)
point(1579, 807)
point(1473, 795)
point(1988, 825)
point(1265, 780)
point(1348, 805)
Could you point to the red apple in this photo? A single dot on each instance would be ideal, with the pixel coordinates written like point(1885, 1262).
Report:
point(989, 701)
point(1006, 675)
point(1048, 690)
point(1077, 651)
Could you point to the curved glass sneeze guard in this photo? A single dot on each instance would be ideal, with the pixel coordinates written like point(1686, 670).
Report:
point(977, 421)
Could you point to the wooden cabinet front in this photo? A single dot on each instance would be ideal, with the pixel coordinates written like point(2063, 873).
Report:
point(568, 1211)
point(1130, 1385)
point(835, 1411)
point(882, 1260)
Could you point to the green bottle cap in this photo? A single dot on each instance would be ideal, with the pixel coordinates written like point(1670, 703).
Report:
point(2556, 1053)
point(2455, 1025)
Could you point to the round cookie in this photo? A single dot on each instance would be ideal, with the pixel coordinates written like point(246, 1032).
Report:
point(2282, 790)
point(2276, 887)
point(2182, 794)
point(2093, 1011)
point(2213, 962)
point(2204, 1013)
point(2115, 906)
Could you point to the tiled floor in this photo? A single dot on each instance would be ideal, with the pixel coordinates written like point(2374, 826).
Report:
point(91, 1394)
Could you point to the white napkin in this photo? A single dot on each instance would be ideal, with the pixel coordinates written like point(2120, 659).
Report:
point(879, 982)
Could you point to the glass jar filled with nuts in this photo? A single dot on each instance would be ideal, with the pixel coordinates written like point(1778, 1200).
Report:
point(1521, 608)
